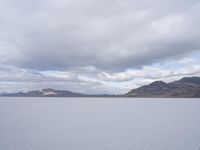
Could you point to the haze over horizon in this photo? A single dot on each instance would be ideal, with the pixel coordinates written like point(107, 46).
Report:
point(97, 46)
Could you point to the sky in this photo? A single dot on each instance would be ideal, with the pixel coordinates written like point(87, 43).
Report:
point(97, 46)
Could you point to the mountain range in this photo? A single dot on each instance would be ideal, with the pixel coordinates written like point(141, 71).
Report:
point(52, 93)
point(186, 87)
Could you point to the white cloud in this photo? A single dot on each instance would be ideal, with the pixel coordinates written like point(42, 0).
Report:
point(90, 80)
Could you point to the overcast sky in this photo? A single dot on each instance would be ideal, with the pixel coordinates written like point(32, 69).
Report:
point(97, 46)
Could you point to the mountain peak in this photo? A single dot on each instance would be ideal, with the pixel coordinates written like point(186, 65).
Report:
point(48, 90)
point(158, 83)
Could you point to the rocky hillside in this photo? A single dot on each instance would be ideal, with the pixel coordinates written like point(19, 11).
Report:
point(186, 87)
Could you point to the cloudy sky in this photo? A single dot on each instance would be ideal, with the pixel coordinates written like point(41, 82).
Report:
point(97, 46)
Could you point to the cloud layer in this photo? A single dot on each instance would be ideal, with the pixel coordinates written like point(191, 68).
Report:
point(96, 41)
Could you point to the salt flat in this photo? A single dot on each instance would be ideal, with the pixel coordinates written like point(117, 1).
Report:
point(99, 124)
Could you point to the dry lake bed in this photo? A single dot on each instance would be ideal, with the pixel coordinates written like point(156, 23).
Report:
point(99, 124)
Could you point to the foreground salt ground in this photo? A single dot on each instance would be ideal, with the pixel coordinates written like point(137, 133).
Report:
point(99, 124)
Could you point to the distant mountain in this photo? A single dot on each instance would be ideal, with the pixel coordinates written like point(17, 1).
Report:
point(186, 87)
point(52, 93)
point(46, 93)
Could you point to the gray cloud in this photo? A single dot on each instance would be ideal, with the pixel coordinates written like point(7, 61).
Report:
point(95, 46)
point(114, 35)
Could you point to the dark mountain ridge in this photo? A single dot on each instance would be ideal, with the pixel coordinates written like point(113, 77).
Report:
point(186, 87)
